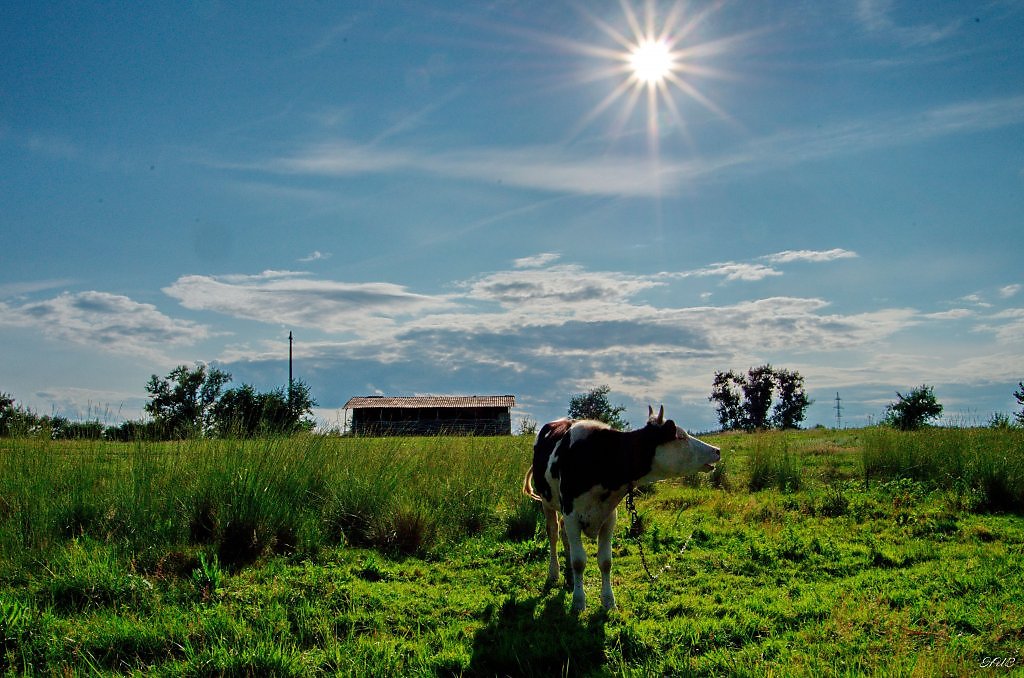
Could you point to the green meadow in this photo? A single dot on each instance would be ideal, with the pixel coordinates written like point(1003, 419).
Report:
point(812, 553)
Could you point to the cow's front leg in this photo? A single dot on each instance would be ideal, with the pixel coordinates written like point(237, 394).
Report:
point(553, 524)
point(578, 560)
point(604, 561)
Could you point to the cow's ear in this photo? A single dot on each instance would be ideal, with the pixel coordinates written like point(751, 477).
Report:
point(650, 412)
point(661, 414)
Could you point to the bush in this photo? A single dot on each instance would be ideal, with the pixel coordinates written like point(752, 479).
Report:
point(914, 410)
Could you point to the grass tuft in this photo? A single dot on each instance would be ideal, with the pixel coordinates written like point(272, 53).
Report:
point(772, 464)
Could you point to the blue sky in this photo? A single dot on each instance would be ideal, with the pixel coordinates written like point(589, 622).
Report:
point(482, 198)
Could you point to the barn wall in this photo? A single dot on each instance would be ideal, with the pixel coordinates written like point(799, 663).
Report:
point(479, 421)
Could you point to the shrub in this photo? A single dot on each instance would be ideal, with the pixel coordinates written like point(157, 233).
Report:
point(914, 410)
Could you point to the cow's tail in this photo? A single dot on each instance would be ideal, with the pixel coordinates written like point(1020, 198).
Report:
point(528, 486)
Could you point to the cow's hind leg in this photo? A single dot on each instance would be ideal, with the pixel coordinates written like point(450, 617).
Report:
point(604, 561)
point(567, 554)
point(578, 560)
point(553, 524)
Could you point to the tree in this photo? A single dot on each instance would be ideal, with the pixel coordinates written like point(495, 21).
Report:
point(1019, 395)
point(238, 412)
point(181, 404)
point(594, 405)
point(743, 401)
point(527, 427)
point(793, 402)
point(914, 410)
point(245, 412)
point(727, 399)
point(7, 413)
point(757, 397)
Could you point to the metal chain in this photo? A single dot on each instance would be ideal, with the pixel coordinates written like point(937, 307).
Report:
point(635, 529)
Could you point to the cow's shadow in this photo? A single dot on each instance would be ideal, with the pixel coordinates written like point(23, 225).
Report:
point(538, 636)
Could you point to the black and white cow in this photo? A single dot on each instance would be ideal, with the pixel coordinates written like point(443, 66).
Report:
point(583, 469)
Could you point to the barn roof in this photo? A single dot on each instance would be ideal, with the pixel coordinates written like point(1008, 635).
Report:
point(394, 402)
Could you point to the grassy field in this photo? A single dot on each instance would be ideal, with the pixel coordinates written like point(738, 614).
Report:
point(807, 553)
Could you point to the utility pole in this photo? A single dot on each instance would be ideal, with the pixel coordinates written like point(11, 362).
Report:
point(839, 412)
point(290, 366)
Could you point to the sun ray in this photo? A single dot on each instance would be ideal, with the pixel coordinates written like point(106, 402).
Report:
point(632, 20)
point(623, 88)
point(671, 20)
point(627, 112)
point(649, 19)
point(652, 119)
point(697, 96)
point(607, 29)
point(670, 104)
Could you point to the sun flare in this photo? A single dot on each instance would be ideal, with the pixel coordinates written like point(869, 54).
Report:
point(659, 53)
point(651, 61)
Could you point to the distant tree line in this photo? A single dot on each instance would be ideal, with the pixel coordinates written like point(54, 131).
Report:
point(17, 420)
point(190, 402)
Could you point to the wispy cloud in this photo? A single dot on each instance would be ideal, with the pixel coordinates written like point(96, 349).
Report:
point(1009, 291)
point(816, 256)
point(285, 297)
point(537, 260)
point(952, 314)
point(558, 285)
point(545, 168)
point(1007, 326)
point(557, 169)
point(52, 147)
point(330, 37)
point(315, 255)
point(975, 299)
point(856, 136)
point(19, 289)
point(731, 271)
point(111, 322)
point(876, 16)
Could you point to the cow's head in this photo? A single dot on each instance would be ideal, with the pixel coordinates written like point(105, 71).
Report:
point(676, 453)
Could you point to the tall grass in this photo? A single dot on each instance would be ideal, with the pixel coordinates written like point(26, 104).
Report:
point(244, 498)
point(985, 464)
point(772, 464)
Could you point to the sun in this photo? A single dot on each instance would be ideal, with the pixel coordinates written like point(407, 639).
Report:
point(660, 58)
point(651, 61)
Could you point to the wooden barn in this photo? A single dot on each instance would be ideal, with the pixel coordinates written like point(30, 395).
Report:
point(431, 415)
